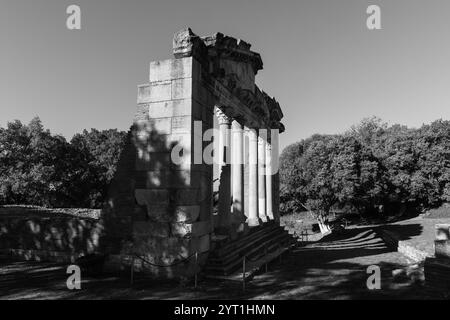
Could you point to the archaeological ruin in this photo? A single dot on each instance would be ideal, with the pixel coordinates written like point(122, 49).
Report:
point(196, 188)
point(164, 216)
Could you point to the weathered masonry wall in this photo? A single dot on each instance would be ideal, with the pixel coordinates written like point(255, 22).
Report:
point(170, 219)
point(49, 235)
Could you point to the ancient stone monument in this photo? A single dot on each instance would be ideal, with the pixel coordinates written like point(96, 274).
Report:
point(160, 215)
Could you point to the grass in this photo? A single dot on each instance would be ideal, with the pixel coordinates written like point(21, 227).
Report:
point(299, 220)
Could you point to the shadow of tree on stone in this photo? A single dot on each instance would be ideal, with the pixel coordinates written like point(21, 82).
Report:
point(137, 224)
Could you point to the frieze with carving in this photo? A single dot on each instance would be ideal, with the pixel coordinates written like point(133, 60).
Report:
point(230, 62)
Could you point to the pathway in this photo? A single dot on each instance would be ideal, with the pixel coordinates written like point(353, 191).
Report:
point(334, 268)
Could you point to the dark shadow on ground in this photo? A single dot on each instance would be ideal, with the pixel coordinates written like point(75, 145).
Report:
point(334, 268)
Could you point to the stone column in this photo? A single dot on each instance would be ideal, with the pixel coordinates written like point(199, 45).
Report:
point(224, 219)
point(269, 204)
point(237, 151)
point(262, 175)
point(253, 220)
point(275, 174)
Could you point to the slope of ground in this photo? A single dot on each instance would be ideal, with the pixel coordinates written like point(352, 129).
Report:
point(333, 268)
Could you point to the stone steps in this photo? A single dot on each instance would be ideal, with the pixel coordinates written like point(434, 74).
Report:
point(253, 247)
point(236, 264)
point(259, 247)
point(251, 267)
point(229, 250)
point(227, 247)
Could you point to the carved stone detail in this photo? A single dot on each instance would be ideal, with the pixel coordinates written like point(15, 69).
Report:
point(222, 117)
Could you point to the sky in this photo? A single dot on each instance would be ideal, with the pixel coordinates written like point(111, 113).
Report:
point(323, 65)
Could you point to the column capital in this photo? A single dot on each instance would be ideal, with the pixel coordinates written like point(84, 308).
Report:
point(261, 140)
point(237, 126)
point(251, 129)
point(251, 133)
point(222, 117)
point(277, 125)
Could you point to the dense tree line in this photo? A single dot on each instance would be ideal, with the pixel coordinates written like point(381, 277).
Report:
point(371, 169)
point(39, 168)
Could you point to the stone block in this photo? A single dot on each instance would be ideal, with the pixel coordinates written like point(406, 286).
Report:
point(443, 232)
point(181, 160)
point(158, 212)
point(196, 229)
point(171, 69)
point(153, 142)
point(161, 126)
point(151, 228)
point(144, 93)
point(164, 179)
point(156, 179)
point(200, 244)
point(162, 250)
point(160, 91)
point(151, 197)
point(182, 140)
point(151, 161)
point(165, 213)
point(182, 88)
point(185, 196)
point(172, 108)
point(186, 213)
point(141, 113)
point(181, 124)
point(442, 248)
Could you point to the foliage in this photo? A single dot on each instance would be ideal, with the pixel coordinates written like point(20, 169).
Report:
point(39, 168)
point(371, 167)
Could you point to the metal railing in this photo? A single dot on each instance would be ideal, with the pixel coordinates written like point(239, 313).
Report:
point(178, 262)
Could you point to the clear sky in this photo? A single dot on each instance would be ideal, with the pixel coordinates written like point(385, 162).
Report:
point(327, 70)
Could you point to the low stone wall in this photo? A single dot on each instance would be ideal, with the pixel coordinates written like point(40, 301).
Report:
point(61, 235)
point(393, 241)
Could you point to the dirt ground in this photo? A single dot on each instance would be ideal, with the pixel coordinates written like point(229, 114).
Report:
point(333, 268)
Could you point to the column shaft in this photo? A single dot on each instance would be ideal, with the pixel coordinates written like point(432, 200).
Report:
point(253, 178)
point(262, 175)
point(275, 175)
point(269, 204)
point(237, 151)
point(224, 219)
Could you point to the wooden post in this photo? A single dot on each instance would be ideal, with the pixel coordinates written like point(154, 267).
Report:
point(243, 274)
point(196, 264)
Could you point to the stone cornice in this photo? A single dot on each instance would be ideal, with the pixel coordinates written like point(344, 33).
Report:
point(232, 48)
point(246, 103)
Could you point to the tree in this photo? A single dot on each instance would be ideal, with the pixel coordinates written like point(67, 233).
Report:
point(102, 149)
point(35, 167)
point(39, 168)
point(369, 167)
